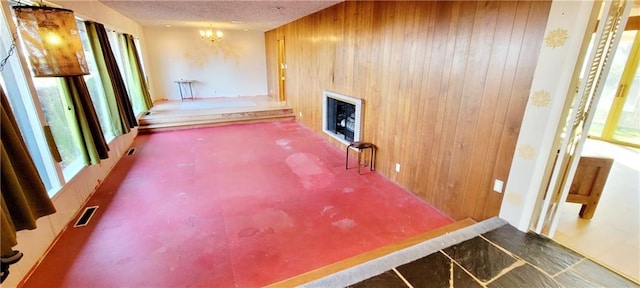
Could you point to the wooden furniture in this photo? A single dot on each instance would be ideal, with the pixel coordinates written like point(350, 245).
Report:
point(588, 184)
point(359, 146)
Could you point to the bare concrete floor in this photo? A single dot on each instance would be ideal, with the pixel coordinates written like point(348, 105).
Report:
point(612, 237)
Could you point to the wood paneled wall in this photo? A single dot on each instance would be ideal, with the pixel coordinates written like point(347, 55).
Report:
point(445, 86)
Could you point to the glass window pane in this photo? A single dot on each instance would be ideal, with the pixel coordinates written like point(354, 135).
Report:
point(116, 48)
point(54, 108)
point(94, 83)
point(628, 127)
point(611, 84)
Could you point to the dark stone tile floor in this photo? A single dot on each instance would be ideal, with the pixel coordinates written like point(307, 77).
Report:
point(504, 257)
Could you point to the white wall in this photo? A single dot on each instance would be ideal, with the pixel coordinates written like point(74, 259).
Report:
point(235, 66)
point(549, 90)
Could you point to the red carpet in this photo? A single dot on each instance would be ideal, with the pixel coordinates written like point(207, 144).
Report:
point(230, 206)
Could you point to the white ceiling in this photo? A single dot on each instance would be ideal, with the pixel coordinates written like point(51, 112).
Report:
point(253, 15)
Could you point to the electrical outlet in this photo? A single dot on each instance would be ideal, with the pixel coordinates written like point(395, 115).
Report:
point(398, 167)
point(498, 185)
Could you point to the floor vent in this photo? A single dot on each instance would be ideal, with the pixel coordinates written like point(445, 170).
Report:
point(86, 216)
point(131, 151)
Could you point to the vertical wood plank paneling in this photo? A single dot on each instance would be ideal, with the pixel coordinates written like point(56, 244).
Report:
point(477, 66)
point(385, 128)
point(482, 159)
point(454, 84)
point(498, 124)
point(441, 16)
point(519, 94)
point(418, 33)
point(445, 86)
point(373, 101)
point(403, 18)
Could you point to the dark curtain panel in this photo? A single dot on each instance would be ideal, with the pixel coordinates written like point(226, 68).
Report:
point(115, 88)
point(24, 197)
point(145, 102)
point(94, 146)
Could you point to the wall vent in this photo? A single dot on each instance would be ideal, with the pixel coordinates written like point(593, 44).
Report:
point(86, 216)
point(131, 151)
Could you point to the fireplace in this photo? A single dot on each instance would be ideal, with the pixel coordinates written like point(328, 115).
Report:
point(341, 117)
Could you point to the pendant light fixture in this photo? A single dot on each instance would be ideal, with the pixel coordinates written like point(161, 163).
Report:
point(51, 37)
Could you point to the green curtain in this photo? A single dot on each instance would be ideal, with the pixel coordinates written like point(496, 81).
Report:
point(137, 83)
point(115, 89)
point(24, 196)
point(94, 147)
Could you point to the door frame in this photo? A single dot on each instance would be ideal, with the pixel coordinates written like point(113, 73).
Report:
point(282, 67)
point(570, 26)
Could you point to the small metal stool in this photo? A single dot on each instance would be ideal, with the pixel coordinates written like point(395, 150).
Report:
point(360, 146)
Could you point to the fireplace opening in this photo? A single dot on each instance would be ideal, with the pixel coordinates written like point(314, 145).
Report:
point(342, 117)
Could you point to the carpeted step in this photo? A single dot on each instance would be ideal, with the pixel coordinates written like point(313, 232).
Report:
point(157, 121)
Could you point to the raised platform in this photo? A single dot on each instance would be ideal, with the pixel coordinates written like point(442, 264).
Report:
point(172, 115)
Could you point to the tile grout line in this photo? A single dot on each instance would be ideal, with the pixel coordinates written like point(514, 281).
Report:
point(502, 248)
point(570, 267)
point(402, 277)
point(451, 282)
point(520, 258)
point(514, 265)
point(516, 257)
point(463, 269)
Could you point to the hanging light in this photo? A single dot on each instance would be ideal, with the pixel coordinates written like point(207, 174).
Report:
point(52, 40)
point(211, 35)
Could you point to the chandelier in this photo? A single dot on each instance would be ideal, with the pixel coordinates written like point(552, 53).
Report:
point(211, 35)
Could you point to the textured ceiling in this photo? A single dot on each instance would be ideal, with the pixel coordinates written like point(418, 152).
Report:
point(252, 15)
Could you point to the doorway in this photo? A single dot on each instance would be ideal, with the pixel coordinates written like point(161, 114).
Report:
point(282, 67)
point(617, 115)
point(612, 236)
point(571, 140)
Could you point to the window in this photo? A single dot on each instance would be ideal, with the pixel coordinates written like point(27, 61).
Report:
point(96, 89)
point(116, 47)
point(25, 110)
point(127, 69)
point(55, 111)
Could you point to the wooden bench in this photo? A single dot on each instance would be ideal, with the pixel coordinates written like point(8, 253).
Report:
point(588, 184)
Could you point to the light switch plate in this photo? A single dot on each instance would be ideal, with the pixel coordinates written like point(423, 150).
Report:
point(498, 185)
